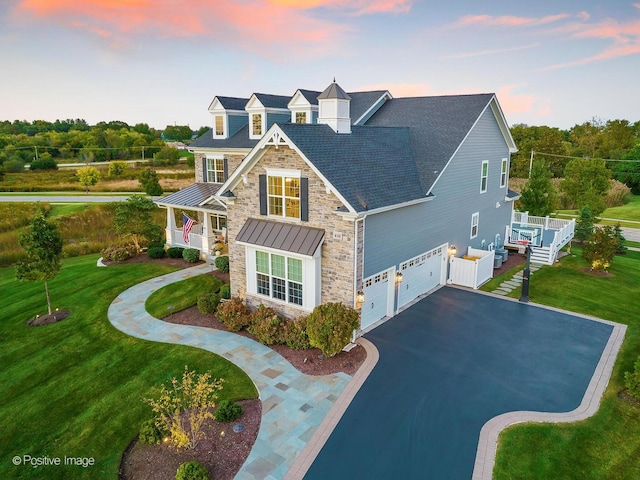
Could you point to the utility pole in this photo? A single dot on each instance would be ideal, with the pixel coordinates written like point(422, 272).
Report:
point(531, 163)
point(36, 148)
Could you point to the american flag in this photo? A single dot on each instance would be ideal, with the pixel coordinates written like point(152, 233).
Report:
point(187, 223)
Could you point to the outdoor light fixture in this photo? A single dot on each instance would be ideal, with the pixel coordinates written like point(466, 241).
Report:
point(222, 434)
point(399, 277)
point(452, 251)
point(360, 296)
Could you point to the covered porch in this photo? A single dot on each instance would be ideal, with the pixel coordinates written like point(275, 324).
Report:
point(210, 219)
point(546, 235)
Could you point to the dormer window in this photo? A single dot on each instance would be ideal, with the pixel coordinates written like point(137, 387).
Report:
point(219, 125)
point(256, 124)
point(215, 170)
point(301, 117)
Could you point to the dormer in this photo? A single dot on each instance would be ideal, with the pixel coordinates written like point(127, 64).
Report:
point(229, 116)
point(304, 106)
point(334, 108)
point(265, 110)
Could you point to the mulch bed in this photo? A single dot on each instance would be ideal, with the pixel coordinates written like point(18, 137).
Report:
point(625, 397)
point(224, 455)
point(48, 319)
point(513, 260)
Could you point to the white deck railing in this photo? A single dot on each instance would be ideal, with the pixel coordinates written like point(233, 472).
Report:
point(563, 233)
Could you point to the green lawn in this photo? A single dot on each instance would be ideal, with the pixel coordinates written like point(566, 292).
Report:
point(75, 388)
point(629, 212)
point(607, 445)
point(180, 295)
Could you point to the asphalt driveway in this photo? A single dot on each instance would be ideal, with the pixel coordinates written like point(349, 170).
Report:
point(447, 365)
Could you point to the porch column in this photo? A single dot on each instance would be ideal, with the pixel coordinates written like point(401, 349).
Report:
point(207, 230)
point(171, 225)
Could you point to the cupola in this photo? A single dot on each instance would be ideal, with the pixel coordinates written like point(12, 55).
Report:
point(335, 108)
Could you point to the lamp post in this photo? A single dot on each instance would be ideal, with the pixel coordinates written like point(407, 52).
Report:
point(524, 297)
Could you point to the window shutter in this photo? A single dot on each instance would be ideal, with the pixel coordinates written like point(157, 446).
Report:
point(262, 183)
point(204, 170)
point(225, 166)
point(304, 199)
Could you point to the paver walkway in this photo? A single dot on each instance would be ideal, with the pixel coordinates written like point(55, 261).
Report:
point(514, 282)
point(293, 404)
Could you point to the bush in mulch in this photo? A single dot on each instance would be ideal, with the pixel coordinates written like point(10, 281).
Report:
point(40, 320)
point(234, 314)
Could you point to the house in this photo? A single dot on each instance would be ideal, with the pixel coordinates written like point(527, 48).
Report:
point(353, 197)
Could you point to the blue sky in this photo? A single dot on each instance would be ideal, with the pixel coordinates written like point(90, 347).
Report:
point(161, 62)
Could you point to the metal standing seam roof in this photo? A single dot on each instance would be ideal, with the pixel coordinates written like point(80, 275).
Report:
point(281, 236)
point(193, 196)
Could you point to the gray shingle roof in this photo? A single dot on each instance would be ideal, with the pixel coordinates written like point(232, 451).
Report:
point(281, 236)
point(362, 101)
point(310, 96)
point(334, 91)
point(239, 140)
point(371, 167)
point(192, 196)
point(232, 103)
point(438, 125)
point(273, 101)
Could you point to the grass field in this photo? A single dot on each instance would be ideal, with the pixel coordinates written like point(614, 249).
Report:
point(75, 388)
point(607, 445)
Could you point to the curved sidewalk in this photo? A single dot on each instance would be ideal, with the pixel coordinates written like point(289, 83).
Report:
point(293, 404)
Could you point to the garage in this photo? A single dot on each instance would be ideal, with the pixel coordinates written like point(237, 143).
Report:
point(421, 274)
point(378, 294)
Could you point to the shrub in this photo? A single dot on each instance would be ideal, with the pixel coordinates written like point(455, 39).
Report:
point(234, 314)
point(621, 249)
point(117, 168)
point(208, 302)
point(227, 411)
point(601, 248)
point(182, 406)
point(295, 334)
point(192, 470)
point(150, 434)
point(191, 255)
point(46, 163)
point(175, 252)
point(618, 194)
point(149, 181)
point(222, 264)
point(225, 291)
point(584, 225)
point(13, 165)
point(118, 253)
point(330, 327)
point(155, 252)
point(632, 380)
point(266, 325)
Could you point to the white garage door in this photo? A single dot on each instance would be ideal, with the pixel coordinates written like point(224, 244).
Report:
point(378, 299)
point(420, 274)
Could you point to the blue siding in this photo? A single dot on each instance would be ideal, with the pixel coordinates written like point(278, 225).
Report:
point(277, 118)
point(236, 122)
point(394, 236)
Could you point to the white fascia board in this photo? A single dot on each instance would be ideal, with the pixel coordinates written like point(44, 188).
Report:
point(220, 151)
point(376, 105)
point(211, 198)
point(350, 216)
point(502, 123)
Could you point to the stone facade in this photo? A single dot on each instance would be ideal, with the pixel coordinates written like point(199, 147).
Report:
point(338, 248)
point(233, 162)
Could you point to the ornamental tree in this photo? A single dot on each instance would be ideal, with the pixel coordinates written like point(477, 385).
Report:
point(134, 221)
point(42, 243)
point(88, 176)
point(538, 195)
point(601, 248)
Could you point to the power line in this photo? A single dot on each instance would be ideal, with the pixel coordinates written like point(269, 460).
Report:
point(581, 158)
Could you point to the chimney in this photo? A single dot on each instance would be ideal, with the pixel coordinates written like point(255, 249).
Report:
point(334, 108)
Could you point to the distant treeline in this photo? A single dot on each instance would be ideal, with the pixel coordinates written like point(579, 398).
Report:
point(22, 142)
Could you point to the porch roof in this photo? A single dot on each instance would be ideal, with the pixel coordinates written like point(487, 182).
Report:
point(281, 236)
point(192, 197)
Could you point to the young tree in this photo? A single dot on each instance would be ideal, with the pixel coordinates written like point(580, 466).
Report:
point(539, 195)
point(149, 181)
point(88, 176)
point(586, 182)
point(117, 168)
point(134, 220)
point(601, 248)
point(584, 225)
point(42, 243)
point(621, 249)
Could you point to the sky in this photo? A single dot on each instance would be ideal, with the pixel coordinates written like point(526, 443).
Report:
point(556, 63)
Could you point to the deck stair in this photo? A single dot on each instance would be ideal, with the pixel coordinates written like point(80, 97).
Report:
point(541, 255)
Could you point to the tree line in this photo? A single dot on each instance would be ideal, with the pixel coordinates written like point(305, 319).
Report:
point(23, 142)
point(617, 142)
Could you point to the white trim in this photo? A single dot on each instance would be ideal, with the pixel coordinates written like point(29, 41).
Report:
point(282, 172)
point(484, 178)
point(475, 216)
point(504, 164)
point(225, 126)
point(376, 105)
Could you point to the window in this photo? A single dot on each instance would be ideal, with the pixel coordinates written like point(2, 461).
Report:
point(279, 277)
point(475, 219)
point(219, 124)
point(503, 173)
point(483, 176)
point(283, 196)
point(301, 117)
point(256, 124)
point(218, 222)
point(215, 170)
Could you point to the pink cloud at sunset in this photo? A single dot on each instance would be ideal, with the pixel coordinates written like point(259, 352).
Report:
point(219, 21)
point(358, 7)
point(507, 20)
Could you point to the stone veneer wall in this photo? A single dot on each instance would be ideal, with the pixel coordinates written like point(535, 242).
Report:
point(337, 253)
point(233, 161)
